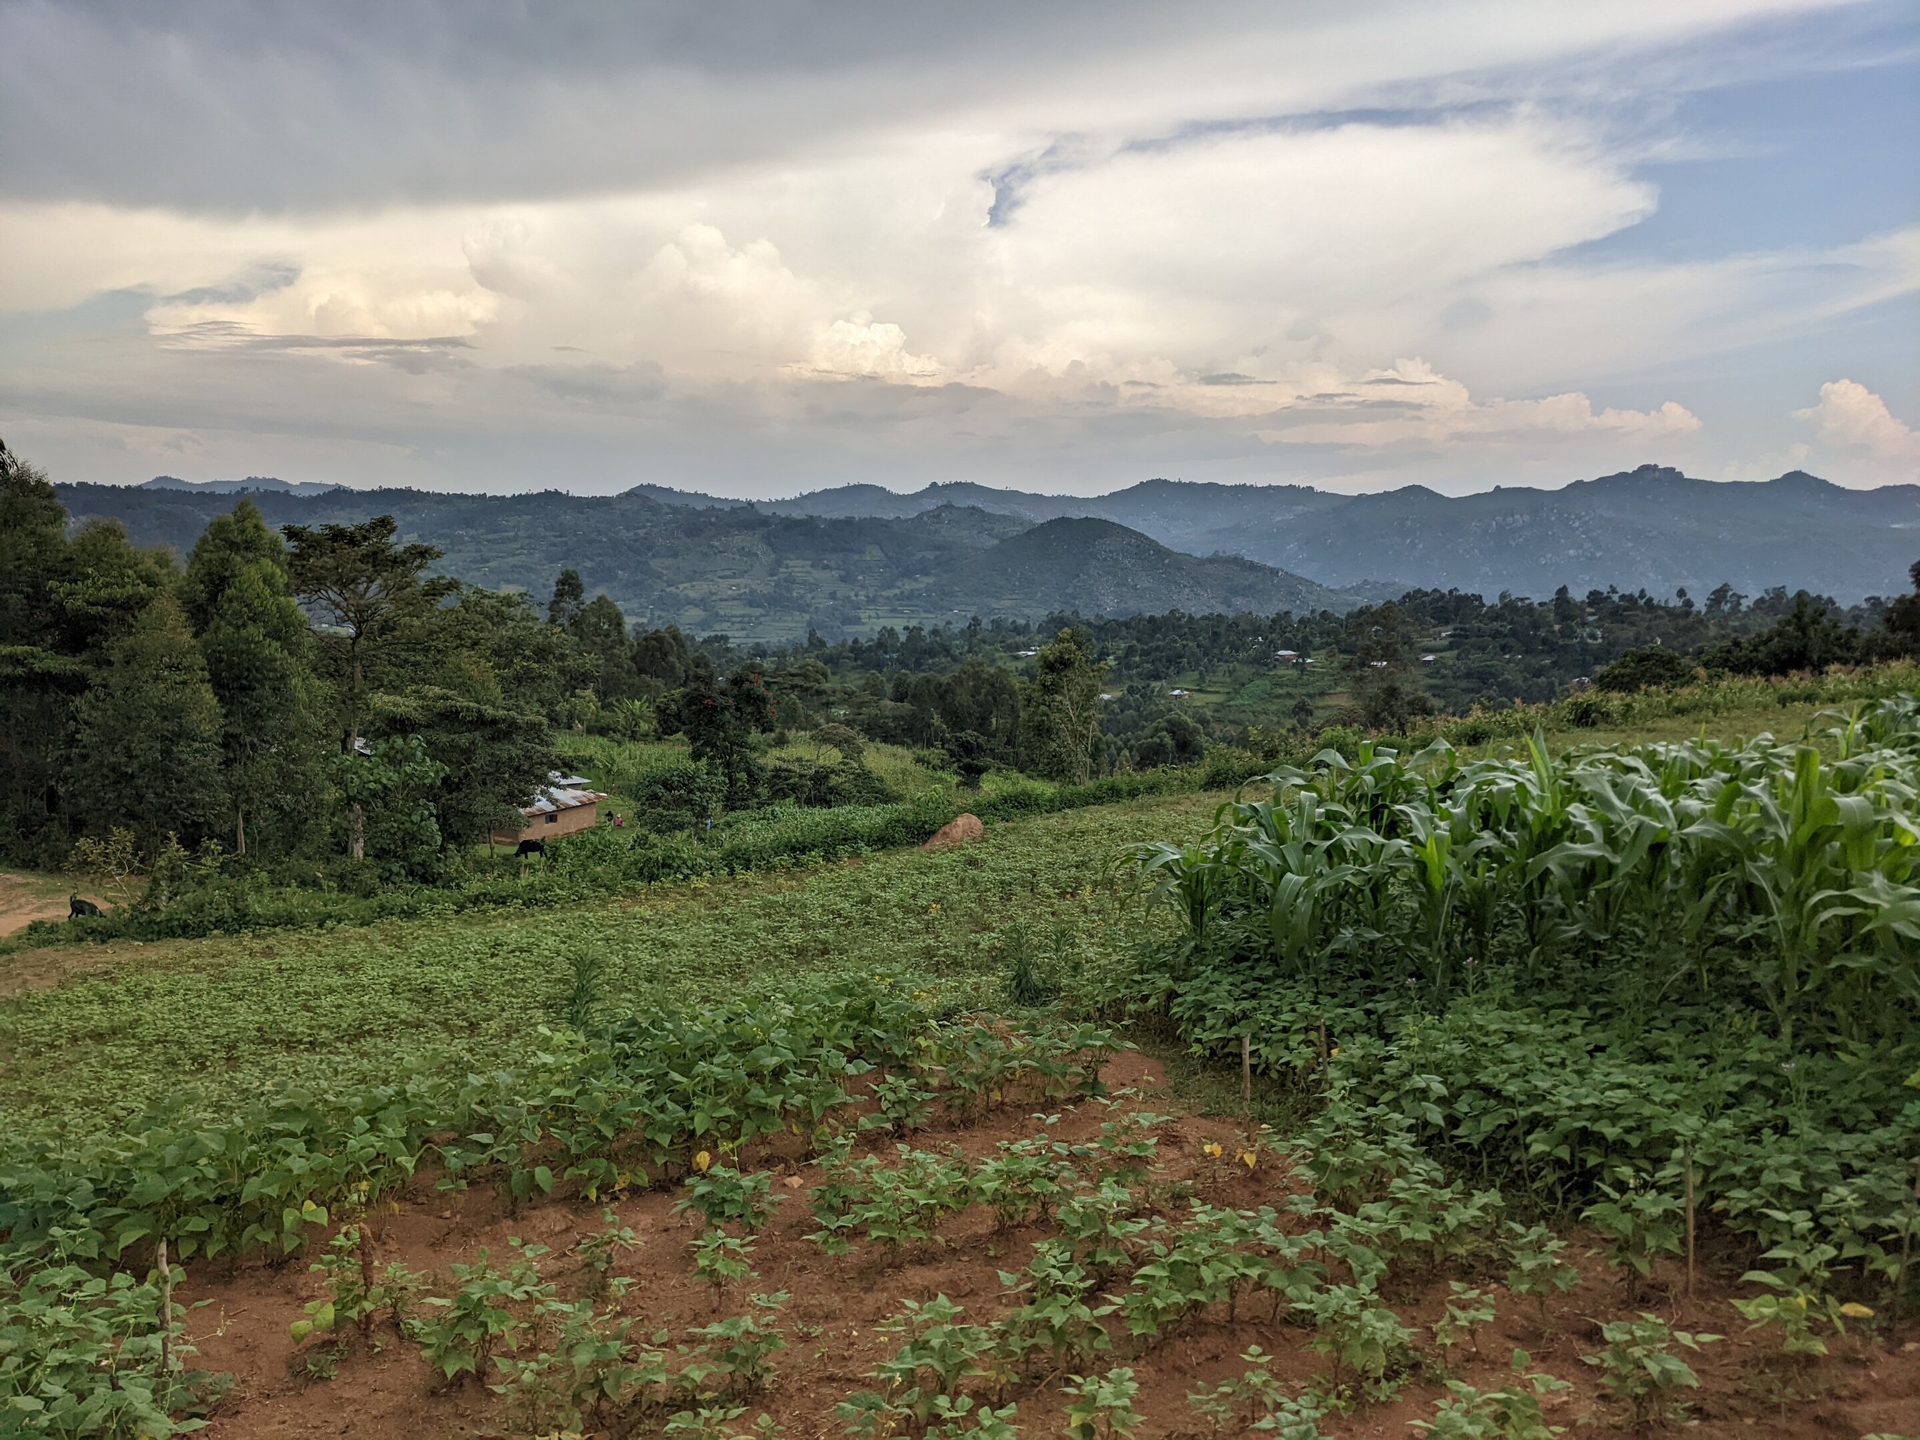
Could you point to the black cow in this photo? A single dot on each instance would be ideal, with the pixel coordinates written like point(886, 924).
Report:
point(531, 847)
point(76, 907)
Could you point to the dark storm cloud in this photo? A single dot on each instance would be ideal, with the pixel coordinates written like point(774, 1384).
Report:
point(225, 105)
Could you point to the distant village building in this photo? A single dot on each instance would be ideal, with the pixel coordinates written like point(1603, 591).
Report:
point(1179, 694)
point(563, 806)
point(1428, 659)
point(1286, 654)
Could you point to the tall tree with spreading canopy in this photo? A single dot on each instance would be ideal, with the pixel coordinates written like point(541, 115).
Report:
point(376, 597)
point(258, 649)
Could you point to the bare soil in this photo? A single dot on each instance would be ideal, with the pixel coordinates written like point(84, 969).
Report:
point(383, 1390)
point(26, 897)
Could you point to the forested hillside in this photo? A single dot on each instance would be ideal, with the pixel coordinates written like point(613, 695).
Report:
point(1651, 528)
point(743, 572)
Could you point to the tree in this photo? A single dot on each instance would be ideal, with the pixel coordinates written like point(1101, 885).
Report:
point(1174, 740)
point(1646, 667)
point(1063, 705)
point(258, 651)
point(719, 721)
point(601, 631)
point(372, 592)
point(1901, 625)
point(569, 595)
point(491, 759)
point(682, 795)
point(39, 676)
point(391, 786)
point(147, 748)
point(664, 657)
point(1807, 637)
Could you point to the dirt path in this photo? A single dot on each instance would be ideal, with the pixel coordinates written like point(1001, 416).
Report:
point(26, 896)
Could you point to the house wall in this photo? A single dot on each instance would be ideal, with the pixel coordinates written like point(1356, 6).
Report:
point(565, 822)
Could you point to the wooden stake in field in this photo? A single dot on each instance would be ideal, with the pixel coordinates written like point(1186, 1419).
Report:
point(1246, 1068)
point(166, 1323)
point(1906, 1253)
point(1690, 1213)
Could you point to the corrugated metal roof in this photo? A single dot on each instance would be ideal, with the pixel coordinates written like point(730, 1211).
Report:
point(549, 798)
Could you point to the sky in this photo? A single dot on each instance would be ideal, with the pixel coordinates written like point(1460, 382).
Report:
point(761, 249)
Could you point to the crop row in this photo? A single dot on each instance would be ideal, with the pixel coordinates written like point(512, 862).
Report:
point(630, 1106)
point(1664, 969)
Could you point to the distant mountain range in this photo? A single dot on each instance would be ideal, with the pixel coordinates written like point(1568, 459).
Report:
point(859, 556)
point(253, 484)
point(1652, 528)
point(751, 574)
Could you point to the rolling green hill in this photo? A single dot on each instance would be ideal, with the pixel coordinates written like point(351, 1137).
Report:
point(754, 575)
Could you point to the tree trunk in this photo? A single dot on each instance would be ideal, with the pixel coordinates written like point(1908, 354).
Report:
point(357, 832)
point(240, 830)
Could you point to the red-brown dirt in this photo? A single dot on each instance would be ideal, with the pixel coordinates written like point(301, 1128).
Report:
point(385, 1390)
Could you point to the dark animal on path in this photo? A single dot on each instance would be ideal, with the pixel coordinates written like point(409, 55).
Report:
point(76, 907)
point(531, 847)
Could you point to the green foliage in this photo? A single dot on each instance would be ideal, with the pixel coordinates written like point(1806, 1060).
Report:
point(893, 1206)
point(259, 662)
point(147, 742)
point(600, 1251)
point(1640, 1370)
point(489, 1311)
point(721, 1195)
point(1534, 1263)
point(1467, 1309)
point(1100, 1407)
point(679, 797)
point(1639, 1226)
point(1512, 1412)
point(722, 1260)
point(938, 1357)
point(81, 1356)
point(1540, 970)
point(393, 788)
point(1364, 1338)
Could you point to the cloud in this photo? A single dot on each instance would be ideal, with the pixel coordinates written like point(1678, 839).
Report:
point(1058, 240)
point(1851, 415)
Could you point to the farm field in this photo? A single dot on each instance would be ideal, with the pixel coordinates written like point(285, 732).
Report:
point(216, 1019)
point(1196, 1362)
point(1573, 1101)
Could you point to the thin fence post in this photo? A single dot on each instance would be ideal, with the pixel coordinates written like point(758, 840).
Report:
point(1246, 1067)
point(1690, 1215)
point(166, 1324)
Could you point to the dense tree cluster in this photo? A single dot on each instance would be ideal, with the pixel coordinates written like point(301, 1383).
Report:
point(322, 691)
point(316, 693)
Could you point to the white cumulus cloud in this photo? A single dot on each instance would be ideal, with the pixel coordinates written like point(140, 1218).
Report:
point(1849, 414)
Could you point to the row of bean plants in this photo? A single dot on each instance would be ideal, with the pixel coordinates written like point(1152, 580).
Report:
point(644, 1101)
point(1652, 972)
